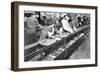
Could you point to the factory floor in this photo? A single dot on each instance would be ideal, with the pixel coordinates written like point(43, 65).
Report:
point(83, 51)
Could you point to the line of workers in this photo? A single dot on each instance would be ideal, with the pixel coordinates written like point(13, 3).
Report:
point(42, 25)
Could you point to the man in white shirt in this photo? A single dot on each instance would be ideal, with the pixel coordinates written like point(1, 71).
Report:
point(65, 24)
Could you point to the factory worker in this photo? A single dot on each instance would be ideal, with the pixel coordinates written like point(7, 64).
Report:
point(65, 24)
point(31, 31)
point(47, 32)
point(50, 30)
point(32, 23)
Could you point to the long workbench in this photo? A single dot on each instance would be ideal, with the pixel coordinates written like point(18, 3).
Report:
point(58, 50)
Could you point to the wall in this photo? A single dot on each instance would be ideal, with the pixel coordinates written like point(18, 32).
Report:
point(5, 40)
